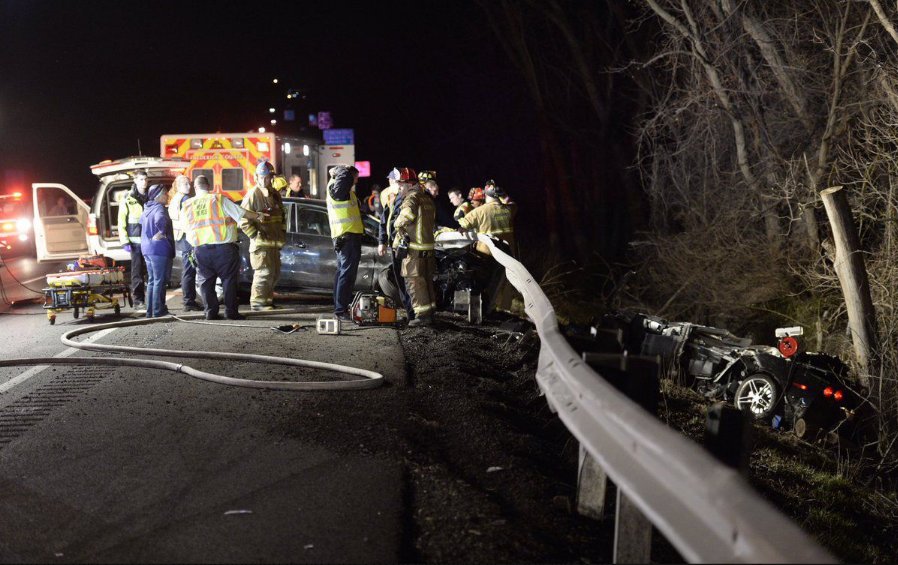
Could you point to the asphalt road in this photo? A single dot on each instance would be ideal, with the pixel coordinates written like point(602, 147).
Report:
point(102, 464)
point(21, 276)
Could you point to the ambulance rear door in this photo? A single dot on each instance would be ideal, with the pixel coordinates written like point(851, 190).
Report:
point(60, 223)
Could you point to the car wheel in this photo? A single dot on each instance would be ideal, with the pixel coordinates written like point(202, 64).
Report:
point(388, 286)
point(757, 394)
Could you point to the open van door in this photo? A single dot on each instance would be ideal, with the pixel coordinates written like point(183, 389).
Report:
point(60, 223)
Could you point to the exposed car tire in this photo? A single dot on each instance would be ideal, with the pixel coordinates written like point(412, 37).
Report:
point(388, 285)
point(757, 394)
point(76, 312)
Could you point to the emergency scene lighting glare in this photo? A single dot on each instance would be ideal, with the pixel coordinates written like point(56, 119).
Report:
point(261, 130)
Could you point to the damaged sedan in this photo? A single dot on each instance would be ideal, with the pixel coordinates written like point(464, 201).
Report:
point(809, 393)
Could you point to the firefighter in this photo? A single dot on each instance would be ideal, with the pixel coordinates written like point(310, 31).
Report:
point(496, 219)
point(415, 224)
point(387, 233)
point(347, 229)
point(181, 194)
point(462, 206)
point(476, 197)
point(211, 224)
point(267, 236)
point(129, 212)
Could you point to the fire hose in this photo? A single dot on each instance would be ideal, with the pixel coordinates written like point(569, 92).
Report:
point(369, 380)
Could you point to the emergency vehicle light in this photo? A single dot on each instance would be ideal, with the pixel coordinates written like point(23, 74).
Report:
point(8, 226)
point(237, 142)
point(196, 143)
point(287, 148)
point(305, 150)
point(23, 224)
point(17, 195)
point(262, 145)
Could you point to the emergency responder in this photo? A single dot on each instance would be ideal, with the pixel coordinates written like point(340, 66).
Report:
point(388, 194)
point(182, 193)
point(387, 232)
point(504, 198)
point(293, 189)
point(476, 197)
point(129, 211)
point(496, 219)
point(347, 229)
point(211, 224)
point(415, 224)
point(266, 237)
point(462, 206)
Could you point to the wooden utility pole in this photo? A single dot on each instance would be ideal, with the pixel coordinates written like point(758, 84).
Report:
point(852, 273)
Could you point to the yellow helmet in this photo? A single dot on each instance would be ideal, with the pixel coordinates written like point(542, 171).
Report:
point(278, 183)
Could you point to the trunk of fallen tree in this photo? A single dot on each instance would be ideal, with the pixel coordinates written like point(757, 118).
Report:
point(852, 273)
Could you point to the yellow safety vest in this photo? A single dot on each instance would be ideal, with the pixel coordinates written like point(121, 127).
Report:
point(205, 216)
point(129, 211)
point(344, 215)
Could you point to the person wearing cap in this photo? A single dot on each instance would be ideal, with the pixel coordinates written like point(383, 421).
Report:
point(157, 245)
point(388, 194)
point(496, 219)
point(266, 237)
point(129, 211)
point(415, 224)
point(211, 224)
point(504, 198)
point(180, 193)
point(345, 220)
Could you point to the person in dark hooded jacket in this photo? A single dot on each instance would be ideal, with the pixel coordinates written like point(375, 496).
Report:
point(157, 244)
point(345, 220)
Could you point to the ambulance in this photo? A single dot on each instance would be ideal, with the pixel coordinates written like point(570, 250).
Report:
point(229, 160)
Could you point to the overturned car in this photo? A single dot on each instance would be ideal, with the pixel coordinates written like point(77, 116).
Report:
point(809, 393)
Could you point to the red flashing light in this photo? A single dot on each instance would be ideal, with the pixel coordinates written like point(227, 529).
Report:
point(828, 391)
point(838, 396)
point(17, 195)
point(801, 386)
point(8, 227)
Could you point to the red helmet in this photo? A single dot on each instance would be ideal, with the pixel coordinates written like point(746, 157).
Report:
point(476, 194)
point(407, 175)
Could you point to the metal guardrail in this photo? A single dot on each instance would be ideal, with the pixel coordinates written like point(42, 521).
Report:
point(704, 508)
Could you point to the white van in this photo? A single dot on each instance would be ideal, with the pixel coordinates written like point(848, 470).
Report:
point(66, 227)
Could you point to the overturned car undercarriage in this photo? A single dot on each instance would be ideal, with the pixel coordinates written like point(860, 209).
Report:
point(812, 394)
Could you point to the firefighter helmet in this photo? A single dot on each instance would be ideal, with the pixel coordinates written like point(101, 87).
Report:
point(279, 183)
point(394, 174)
point(406, 175)
point(494, 191)
point(264, 168)
point(476, 193)
point(425, 176)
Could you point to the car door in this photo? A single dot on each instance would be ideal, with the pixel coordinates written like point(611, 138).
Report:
point(60, 223)
point(311, 260)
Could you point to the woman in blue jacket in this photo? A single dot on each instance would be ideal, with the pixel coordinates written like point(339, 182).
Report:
point(157, 244)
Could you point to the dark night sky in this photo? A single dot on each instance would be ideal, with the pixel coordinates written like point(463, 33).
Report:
point(424, 84)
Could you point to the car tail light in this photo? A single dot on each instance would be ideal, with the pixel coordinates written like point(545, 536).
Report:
point(828, 391)
point(838, 396)
point(92, 226)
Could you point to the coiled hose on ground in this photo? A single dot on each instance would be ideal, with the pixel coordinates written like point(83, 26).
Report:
point(369, 380)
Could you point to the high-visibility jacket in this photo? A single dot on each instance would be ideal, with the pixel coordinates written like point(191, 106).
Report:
point(417, 218)
point(344, 215)
point(206, 222)
point(493, 218)
point(175, 208)
point(269, 232)
point(462, 209)
point(129, 211)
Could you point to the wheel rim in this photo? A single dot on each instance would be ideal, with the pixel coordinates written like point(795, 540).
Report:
point(756, 395)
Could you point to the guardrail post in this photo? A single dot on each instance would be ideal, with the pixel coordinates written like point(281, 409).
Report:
point(592, 486)
point(728, 435)
point(638, 378)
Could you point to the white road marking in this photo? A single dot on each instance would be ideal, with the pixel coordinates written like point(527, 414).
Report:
point(37, 369)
